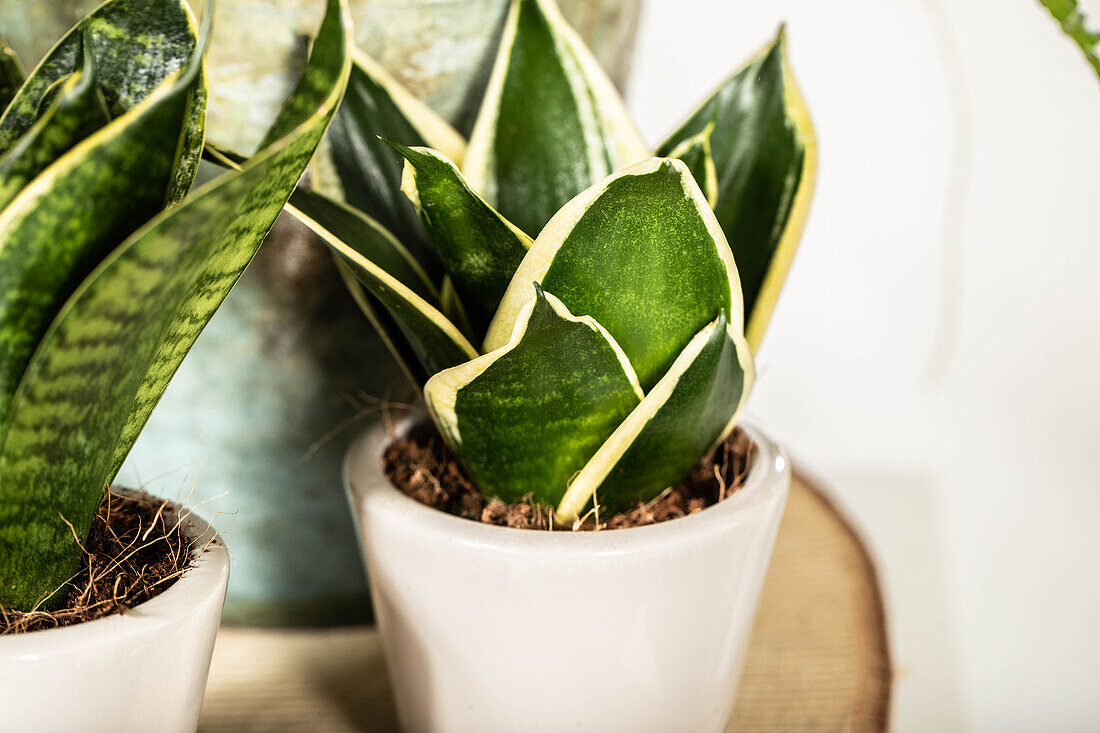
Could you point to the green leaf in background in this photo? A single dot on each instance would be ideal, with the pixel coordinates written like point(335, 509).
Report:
point(696, 155)
point(355, 166)
point(109, 354)
point(137, 44)
point(11, 74)
point(525, 418)
point(766, 159)
point(684, 416)
point(82, 206)
point(1074, 24)
point(451, 306)
point(479, 248)
point(641, 253)
point(384, 324)
point(551, 124)
point(368, 238)
point(434, 341)
point(78, 111)
point(379, 258)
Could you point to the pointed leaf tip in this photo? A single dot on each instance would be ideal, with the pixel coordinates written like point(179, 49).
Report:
point(478, 247)
point(765, 160)
point(530, 153)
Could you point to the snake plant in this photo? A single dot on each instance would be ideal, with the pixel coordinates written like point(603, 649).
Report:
point(580, 310)
point(110, 265)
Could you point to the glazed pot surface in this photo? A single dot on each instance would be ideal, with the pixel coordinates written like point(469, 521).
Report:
point(143, 671)
point(488, 628)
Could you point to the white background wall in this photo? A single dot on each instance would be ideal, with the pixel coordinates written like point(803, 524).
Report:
point(935, 358)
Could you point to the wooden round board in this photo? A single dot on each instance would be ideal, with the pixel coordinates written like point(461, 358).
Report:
point(818, 659)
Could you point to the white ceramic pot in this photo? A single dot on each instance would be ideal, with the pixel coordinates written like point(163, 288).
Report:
point(493, 629)
point(143, 671)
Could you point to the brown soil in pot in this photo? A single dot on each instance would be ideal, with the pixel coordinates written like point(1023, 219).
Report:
point(425, 469)
point(134, 552)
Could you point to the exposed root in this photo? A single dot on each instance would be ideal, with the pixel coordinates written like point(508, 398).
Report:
point(135, 551)
point(364, 405)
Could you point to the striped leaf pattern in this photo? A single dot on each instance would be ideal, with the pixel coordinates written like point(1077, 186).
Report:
point(107, 356)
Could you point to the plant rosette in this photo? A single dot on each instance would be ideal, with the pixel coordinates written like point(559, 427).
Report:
point(491, 628)
point(142, 670)
point(581, 314)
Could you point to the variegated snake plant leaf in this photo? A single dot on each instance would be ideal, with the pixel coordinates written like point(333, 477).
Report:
point(94, 326)
point(603, 285)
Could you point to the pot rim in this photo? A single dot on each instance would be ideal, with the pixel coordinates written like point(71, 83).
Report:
point(368, 486)
point(206, 577)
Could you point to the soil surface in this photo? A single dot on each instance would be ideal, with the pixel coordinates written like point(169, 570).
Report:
point(134, 552)
point(425, 469)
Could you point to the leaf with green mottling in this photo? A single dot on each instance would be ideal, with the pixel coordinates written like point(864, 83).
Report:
point(684, 416)
point(433, 339)
point(765, 155)
point(58, 228)
point(11, 74)
point(358, 168)
point(50, 96)
point(551, 124)
point(641, 253)
point(138, 45)
point(1075, 25)
point(526, 417)
point(108, 355)
point(78, 111)
point(479, 248)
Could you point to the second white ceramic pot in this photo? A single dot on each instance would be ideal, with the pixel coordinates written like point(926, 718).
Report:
point(489, 629)
point(139, 672)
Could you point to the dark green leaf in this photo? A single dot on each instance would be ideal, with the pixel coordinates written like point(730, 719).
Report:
point(434, 340)
point(552, 123)
point(764, 151)
point(692, 408)
point(78, 111)
point(525, 418)
point(357, 167)
point(368, 238)
point(451, 306)
point(138, 44)
point(11, 74)
point(372, 242)
point(641, 253)
point(695, 152)
point(479, 248)
point(385, 324)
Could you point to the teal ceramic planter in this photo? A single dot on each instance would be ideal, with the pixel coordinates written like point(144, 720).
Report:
point(259, 416)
